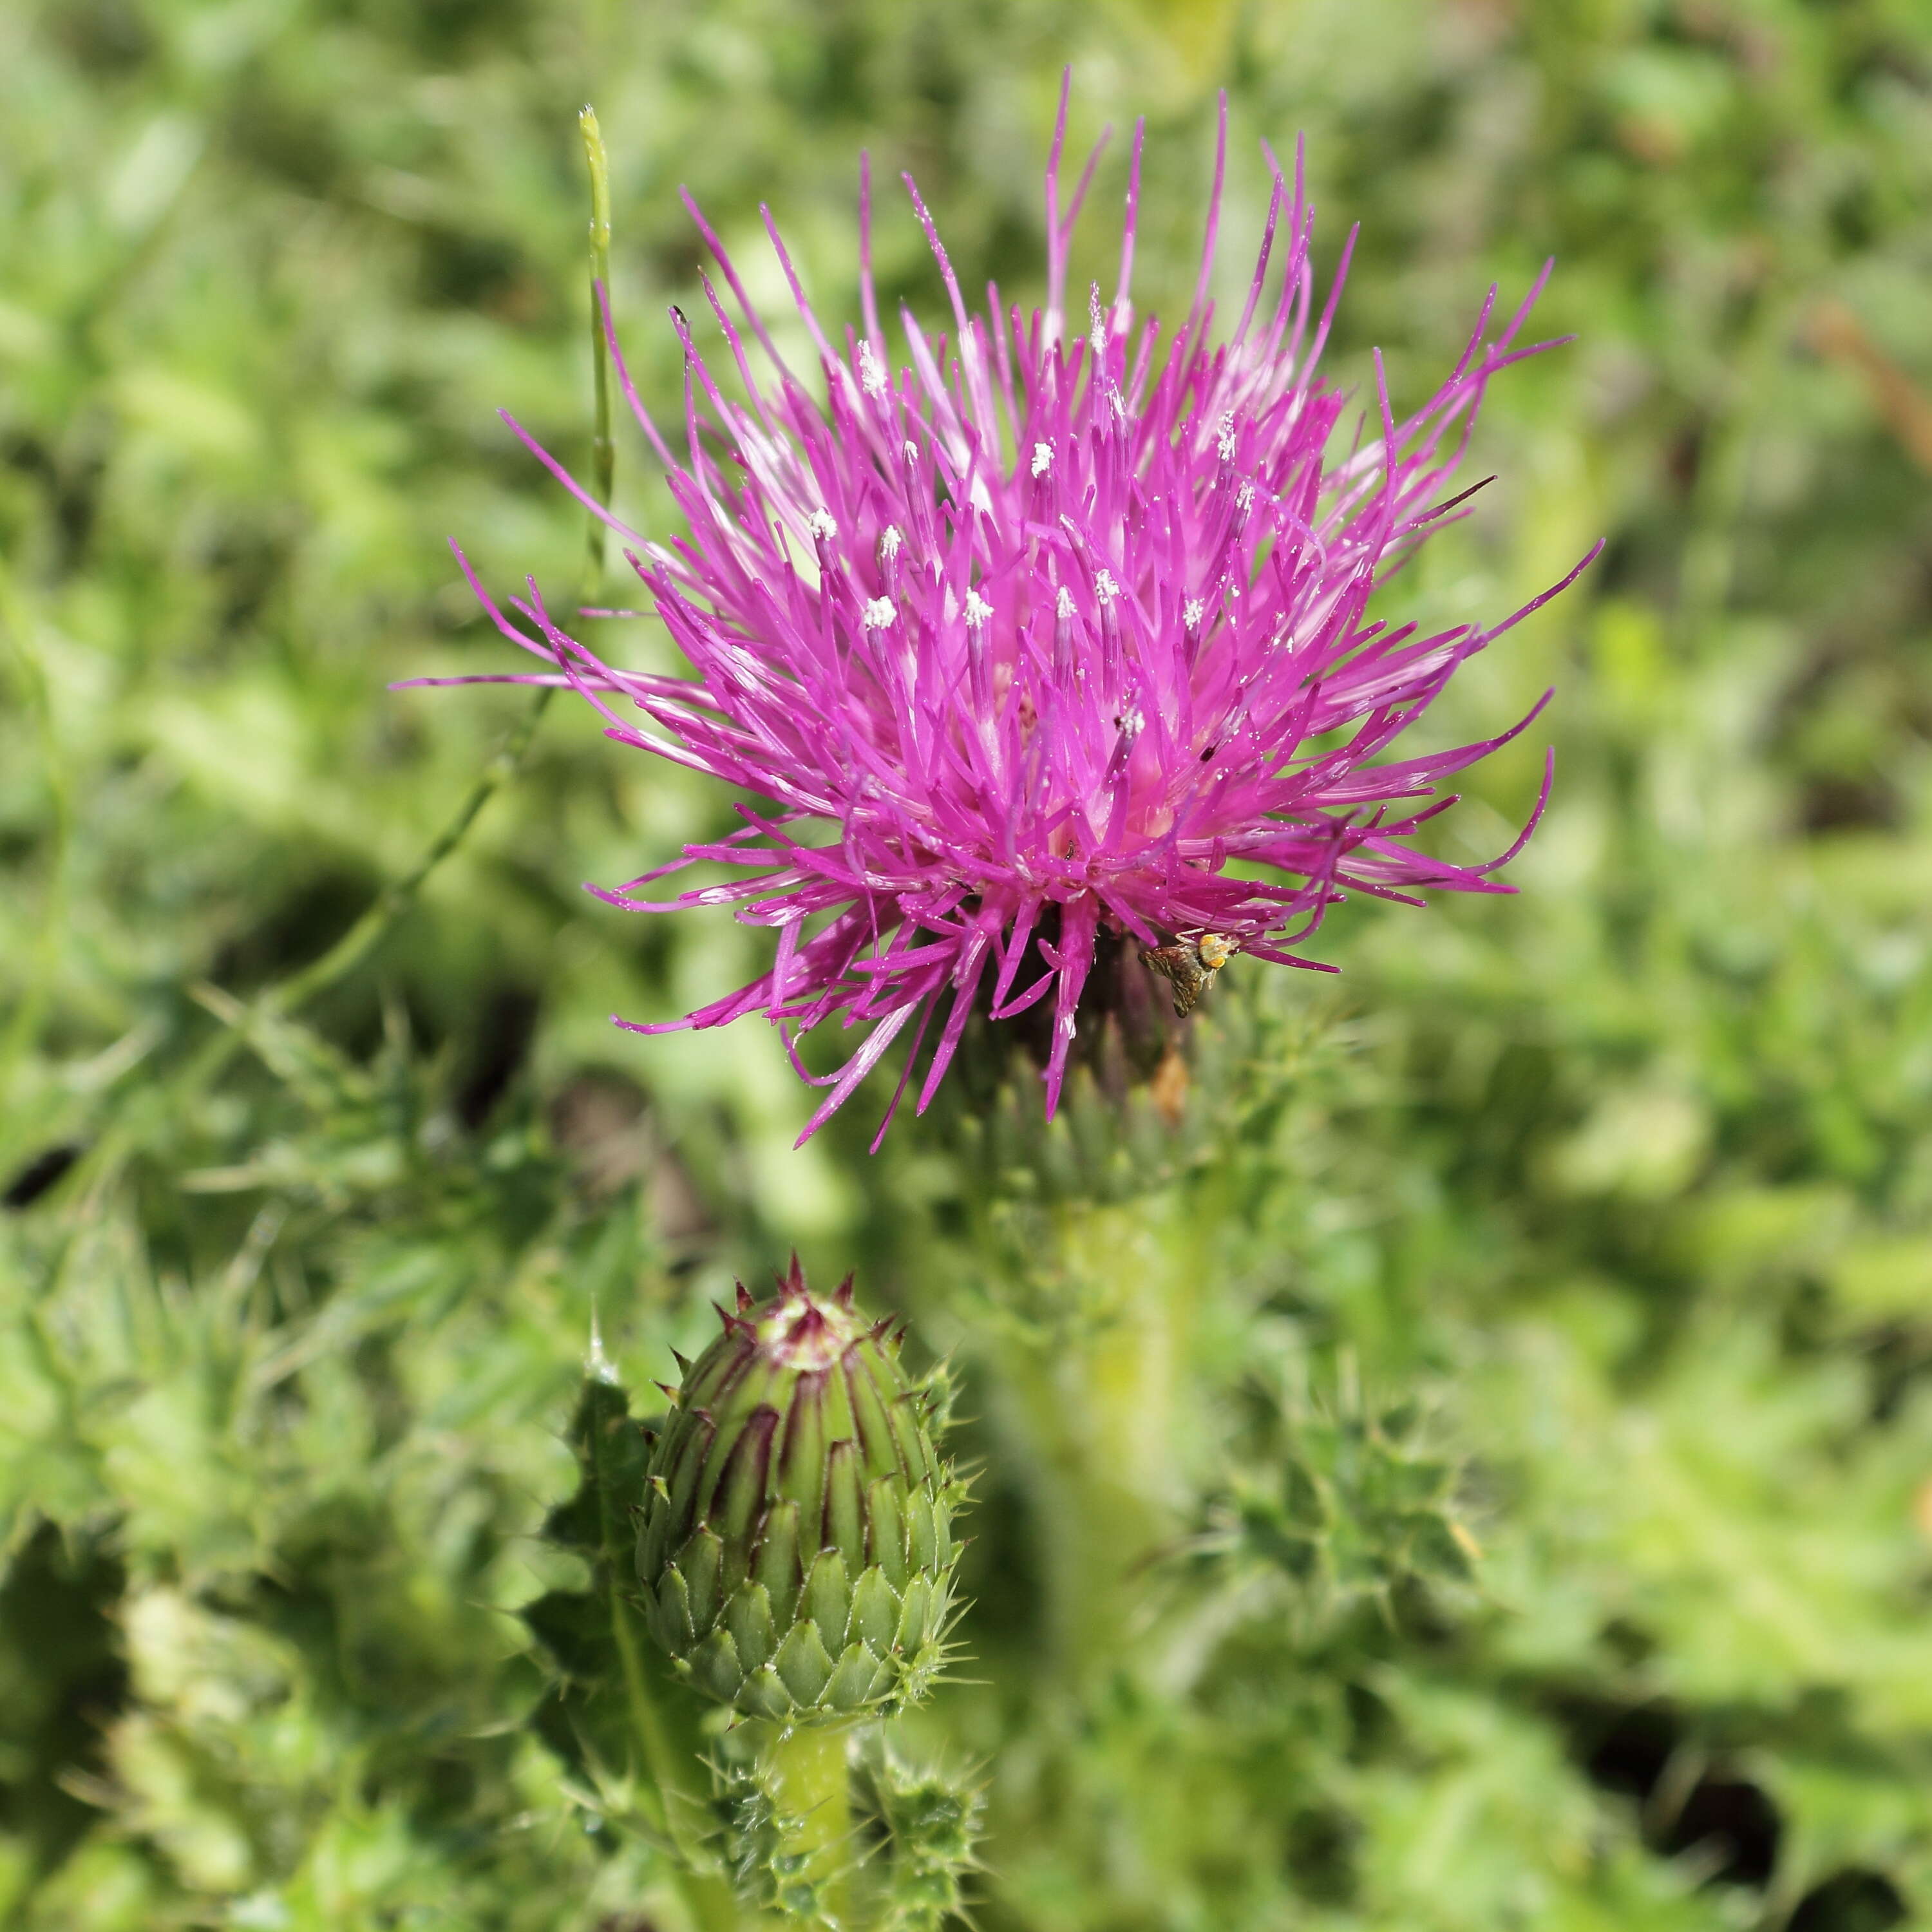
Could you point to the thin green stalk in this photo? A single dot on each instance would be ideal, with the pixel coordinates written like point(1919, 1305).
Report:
point(288, 995)
point(355, 945)
point(98, 1165)
point(810, 1788)
point(603, 450)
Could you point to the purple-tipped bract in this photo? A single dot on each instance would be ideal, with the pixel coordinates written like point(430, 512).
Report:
point(1031, 630)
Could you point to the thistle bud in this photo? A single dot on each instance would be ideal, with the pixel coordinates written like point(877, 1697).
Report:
point(795, 1545)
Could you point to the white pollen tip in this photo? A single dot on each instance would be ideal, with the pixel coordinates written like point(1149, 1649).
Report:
point(820, 525)
point(1105, 588)
point(879, 613)
point(1245, 495)
point(1227, 437)
point(911, 451)
point(977, 609)
point(1042, 458)
point(1063, 604)
point(889, 541)
point(870, 375)
point(1191, 613)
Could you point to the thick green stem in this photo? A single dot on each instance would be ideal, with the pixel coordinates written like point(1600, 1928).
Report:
point(811, 1789)
point(1095, 1406)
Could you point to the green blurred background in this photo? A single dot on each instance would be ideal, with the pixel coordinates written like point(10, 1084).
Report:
point(1625, 1184)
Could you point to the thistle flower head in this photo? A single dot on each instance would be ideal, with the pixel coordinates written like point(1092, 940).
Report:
point(795, 1551)
point(1033, 634)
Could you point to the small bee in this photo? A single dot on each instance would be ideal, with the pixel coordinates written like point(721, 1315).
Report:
point(1188, 965)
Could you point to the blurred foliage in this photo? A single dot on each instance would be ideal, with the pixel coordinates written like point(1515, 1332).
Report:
point(1538, 1483)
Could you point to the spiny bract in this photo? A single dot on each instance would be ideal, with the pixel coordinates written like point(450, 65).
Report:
point(795, 1548)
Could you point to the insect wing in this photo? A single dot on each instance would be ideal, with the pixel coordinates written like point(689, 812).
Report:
point(1181, 966)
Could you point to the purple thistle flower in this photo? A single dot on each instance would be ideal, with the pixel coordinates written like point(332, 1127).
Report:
point(1048, 628)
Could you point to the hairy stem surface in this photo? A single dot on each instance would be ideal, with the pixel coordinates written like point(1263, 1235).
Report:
point(1095, 1404)
point(810, 1785)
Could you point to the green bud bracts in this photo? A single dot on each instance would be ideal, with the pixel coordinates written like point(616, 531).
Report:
point(796, 1545)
